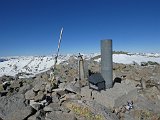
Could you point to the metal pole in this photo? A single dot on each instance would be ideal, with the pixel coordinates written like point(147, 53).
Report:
point(59, 43)
point(106, 62)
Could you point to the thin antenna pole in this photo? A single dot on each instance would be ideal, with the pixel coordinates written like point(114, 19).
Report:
point(59, 43)
point(52, 75)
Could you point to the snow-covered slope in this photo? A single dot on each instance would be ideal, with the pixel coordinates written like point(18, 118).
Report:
point(137, 57)
point(28, 64)
point(36, 64)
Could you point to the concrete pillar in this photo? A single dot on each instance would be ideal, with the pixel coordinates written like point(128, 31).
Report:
point(106, 62)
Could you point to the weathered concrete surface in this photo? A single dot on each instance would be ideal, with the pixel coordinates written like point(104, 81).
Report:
point(114, 97)
point(106, 62)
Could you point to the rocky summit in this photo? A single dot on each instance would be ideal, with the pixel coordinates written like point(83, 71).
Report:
point(135, 94)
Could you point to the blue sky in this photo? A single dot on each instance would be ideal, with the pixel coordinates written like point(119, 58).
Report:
point(32, 27)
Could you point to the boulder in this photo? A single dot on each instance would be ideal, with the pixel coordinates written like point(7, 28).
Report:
point(39, 97)
point(36, 106)
point(24, 88)
point(20, 114)
point(64, 109)
point(52, 107)
point(40, 115)
point(39, 86)
point(113, 97)
point(30, 94)
point(9, 104)
point(72, 88)
point(16, 84)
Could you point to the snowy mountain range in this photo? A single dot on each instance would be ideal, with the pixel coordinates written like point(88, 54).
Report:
point(32, 65)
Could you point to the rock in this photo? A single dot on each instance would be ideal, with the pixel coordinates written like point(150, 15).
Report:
point(118, 66)
point(58, 115)
point(16, 84)
point(33, 117)
point(6, 78)
point(60, 92)
point(86, 93)
point(145, 104)
point(152, 63)
point(45, 76)
point(20, 114)
point(137, 78)
point(36, 106)
point(6, 84)
point(1, 87)
point(39, 86)
point(40, 115)
point(64, 109)
point(48, 87)
point(113, 97)
point(39, 97)
point(31, 102)
point(158, 96)
point(143, 83)
point(127, 117)
point(55, 98)
point(72, 88)
point(52, 107)
point(29, 95)
point(62, 85)
point(144, 63)
point(69, 97)
point(24, 88)
point(10, 104)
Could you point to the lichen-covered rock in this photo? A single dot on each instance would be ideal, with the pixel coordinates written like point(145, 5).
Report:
point(59, 115)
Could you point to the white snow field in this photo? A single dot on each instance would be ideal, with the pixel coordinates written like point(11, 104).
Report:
point(37, 64)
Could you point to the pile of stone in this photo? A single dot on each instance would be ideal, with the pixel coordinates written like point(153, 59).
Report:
point(136, 96)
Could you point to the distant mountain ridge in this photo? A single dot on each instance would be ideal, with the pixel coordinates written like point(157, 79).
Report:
point(36, 64)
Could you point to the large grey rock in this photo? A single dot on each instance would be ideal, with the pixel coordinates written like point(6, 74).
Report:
point(72, 88)
point(20, 114)
point(10, 104)
point(30, 94)
point(36, 106)
point(39, 97)
point(58, 115)
point(145, 104)
point(113, 97)
point(64, 109)
point(16, 84)
point(86, 93)
point(39, 86)
point(45, 76)
point(52, 107)
point(24, 88)
point(40, 115)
